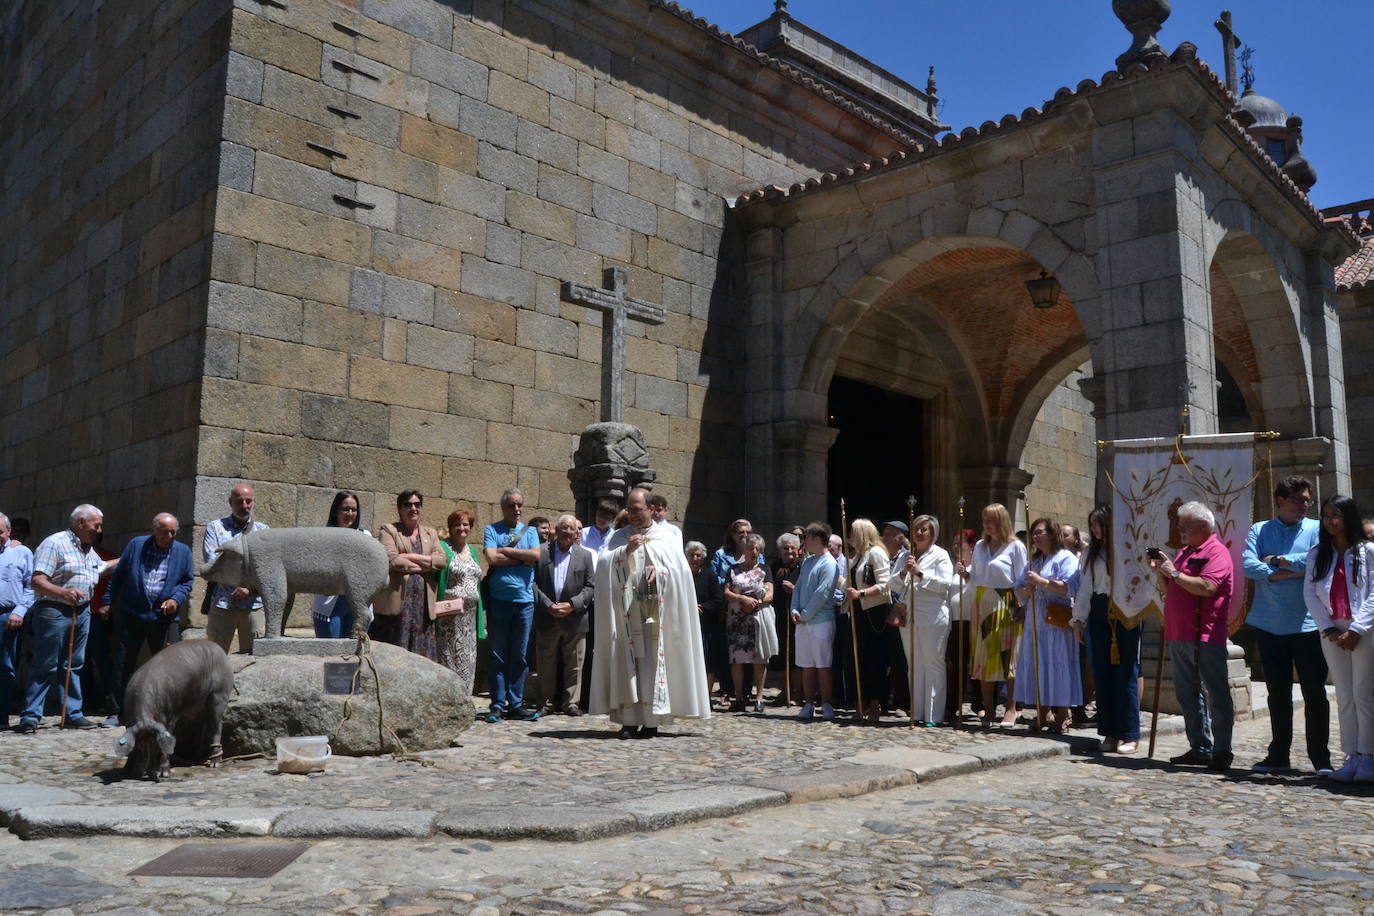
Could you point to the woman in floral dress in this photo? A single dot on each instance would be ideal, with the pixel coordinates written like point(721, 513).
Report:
point(749, 626)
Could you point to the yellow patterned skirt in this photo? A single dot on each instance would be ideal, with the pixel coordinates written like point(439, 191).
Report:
point(996, 635)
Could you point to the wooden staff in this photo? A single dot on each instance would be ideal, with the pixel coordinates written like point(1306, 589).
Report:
point(959, 629)
point(1159, 679)
point(911, 613)
point(1029, 618)
point(67, 684)
point(853, 614)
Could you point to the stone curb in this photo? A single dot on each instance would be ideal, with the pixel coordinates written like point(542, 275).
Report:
point(33, 811)
point(42, 822)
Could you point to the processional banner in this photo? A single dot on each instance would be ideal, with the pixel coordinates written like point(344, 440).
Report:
point(1150, 479)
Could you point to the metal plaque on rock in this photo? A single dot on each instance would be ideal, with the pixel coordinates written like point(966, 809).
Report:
point(341, 677)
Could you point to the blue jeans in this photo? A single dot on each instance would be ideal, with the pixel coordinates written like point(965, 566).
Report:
point(508, 633)
point(10, 644)
point(340, 622)
point(1118, 686)
point(1208, 718)
point(52, 627)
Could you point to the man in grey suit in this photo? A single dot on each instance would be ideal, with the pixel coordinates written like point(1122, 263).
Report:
point(564, 586)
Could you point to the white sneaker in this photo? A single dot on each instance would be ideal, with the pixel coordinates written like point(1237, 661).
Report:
point(758, 705)
point(1364, 770)
point(808, 712)
point(827, 712)
point(1347, 772)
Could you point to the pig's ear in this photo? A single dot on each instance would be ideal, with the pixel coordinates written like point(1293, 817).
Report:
point(166, 741)
point(124, 744)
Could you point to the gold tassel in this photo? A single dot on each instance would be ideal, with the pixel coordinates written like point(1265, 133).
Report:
point(1115, 655)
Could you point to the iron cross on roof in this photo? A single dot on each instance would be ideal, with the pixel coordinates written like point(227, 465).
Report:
point(1230, 41)
point(615, 307)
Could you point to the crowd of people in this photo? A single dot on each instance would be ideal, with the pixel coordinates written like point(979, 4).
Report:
point(624, 618)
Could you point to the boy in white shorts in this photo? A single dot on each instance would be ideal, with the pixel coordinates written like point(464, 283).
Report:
point(813, 611)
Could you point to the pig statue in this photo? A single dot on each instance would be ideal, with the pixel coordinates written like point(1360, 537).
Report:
point(279, 562)
point(175, 703)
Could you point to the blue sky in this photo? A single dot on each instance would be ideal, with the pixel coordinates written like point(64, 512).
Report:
point(994, 57)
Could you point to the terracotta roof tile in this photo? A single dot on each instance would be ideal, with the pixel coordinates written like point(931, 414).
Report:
point(1358, 270)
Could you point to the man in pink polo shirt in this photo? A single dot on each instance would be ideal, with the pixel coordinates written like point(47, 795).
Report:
point(1198, 585)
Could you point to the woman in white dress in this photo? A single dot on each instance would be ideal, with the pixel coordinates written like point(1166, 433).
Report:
point(930, 572)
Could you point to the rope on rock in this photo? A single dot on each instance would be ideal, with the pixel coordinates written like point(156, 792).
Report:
point(363, 653)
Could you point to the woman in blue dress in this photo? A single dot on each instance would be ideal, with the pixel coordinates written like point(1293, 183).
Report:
point(1054, 684)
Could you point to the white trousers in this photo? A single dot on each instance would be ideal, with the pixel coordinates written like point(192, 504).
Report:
point(927, 670)
point(1353, 675)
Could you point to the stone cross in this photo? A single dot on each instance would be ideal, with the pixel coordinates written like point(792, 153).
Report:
point(1230, 41)
point(614, 307)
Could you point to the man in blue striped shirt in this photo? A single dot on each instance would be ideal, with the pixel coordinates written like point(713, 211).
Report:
point(1275, 560)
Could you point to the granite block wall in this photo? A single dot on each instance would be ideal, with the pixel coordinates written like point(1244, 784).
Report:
point(108, 174)
point(406, 184)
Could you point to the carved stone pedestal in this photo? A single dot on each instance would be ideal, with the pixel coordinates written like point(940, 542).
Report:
point(611, 460)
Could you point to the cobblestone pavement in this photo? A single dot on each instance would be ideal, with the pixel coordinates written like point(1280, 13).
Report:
point(576, 760)
point(1083, 833)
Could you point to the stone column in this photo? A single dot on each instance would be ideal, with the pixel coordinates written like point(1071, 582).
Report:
point(1313, 458)
point(610, 461)
point(1154, 329)
point(797, 494)
point(1095, 390)
point(1328, 374)
point(994, 484)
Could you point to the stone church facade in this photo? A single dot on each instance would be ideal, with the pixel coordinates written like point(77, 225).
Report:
point(319, 245)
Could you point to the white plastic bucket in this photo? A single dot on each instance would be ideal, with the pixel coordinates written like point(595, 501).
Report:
point(302, 755)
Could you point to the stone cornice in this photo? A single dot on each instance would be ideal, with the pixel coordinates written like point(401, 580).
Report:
point(1342, 241)
point(790, 73)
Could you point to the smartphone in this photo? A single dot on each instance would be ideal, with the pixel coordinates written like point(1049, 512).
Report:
point(1154, 553)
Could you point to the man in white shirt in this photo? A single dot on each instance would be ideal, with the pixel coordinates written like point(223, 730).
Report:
point(658, 511)
point(233, 610)
point(595, 537)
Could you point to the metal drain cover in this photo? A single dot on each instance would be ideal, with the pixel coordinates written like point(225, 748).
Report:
point(223, 860)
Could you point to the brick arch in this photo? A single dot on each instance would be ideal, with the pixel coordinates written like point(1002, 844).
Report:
point(876, 263)
point(1254, 313)
point(969, 298)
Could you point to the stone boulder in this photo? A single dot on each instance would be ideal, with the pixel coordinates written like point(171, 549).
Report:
point(283, 695)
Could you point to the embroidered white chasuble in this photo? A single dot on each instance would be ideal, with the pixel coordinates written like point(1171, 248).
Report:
point(647, 664)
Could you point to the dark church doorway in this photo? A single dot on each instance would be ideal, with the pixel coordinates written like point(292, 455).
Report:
point(878, 458)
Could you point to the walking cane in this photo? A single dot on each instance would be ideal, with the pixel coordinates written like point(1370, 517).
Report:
point(787, 658)
point(853, 616)
point(1030, 619)
point(911, 613)
point(67, 682)
point(959, 631)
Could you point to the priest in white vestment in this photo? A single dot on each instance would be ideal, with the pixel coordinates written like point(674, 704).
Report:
point(648, 666)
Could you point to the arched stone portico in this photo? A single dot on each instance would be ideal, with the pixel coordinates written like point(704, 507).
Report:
point(1134, 194)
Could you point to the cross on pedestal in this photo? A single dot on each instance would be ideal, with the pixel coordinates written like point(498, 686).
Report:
point(614, 307)
point(1230, 41)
